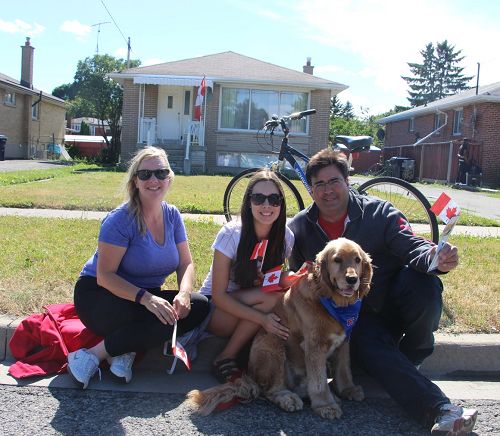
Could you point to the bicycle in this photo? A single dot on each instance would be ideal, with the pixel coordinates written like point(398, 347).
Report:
point(403, 195)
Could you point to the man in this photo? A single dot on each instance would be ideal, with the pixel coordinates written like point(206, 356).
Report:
point(464, 163)
point(394, 333)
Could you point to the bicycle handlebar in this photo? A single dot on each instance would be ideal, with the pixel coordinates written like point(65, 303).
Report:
point(275, 121)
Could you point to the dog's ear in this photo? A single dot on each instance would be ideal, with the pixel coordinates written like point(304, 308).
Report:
point(322, 270)
point(366, 274)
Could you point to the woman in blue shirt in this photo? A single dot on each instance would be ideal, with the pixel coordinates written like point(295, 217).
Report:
point(118, 294)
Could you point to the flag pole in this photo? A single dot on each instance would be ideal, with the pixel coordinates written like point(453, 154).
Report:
point(204, 110)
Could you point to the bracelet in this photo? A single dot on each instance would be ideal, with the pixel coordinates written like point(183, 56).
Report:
point(139, 295)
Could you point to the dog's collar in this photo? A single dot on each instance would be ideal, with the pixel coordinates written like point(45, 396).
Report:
point(345, 315)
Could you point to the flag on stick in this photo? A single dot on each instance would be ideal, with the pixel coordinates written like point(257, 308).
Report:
point(271, 282)
point(178, 352)
point(259, 251)
point(202, 89)
point(445, 208)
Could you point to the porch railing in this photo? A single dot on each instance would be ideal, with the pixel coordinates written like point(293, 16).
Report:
point(147, 131)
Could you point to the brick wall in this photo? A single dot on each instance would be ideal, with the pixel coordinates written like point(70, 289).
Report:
point(130, 114)
point(11, 125)
point(319, 123)
point(481, 124)
point(151, 101)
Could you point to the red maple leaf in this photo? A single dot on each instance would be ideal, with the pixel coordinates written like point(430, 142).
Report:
point(451, 212)
point(272, 278)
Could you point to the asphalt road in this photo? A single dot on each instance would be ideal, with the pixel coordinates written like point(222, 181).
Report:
point(51, 411)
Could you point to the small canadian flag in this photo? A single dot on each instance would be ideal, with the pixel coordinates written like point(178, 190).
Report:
point(445, 208)
point(271, 282)
point(178, 350)
point(260, 250)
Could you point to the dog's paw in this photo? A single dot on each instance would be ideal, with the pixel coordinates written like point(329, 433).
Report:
point(354, 393)
point(332, 411)
point(288, 401)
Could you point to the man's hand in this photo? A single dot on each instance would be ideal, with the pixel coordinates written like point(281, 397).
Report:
point(447, 258)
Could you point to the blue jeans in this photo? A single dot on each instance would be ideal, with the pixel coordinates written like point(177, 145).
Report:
point(388, 345)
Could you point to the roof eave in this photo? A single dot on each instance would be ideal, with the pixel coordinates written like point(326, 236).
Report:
point(406, 115)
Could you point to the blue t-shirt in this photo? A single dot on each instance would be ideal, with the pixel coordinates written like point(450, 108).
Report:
point(146, 264)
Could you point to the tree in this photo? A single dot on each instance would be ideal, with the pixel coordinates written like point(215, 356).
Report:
point(84, 128)
point(337, 109)
point(437, 76)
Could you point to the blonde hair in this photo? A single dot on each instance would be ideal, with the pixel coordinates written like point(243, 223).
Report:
point(131, 192)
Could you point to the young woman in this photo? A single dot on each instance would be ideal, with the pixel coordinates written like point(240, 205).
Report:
point(118, 294)
point(234, 281)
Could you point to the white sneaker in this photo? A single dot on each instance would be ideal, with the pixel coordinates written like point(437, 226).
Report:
point(454, 420)
point(82, 365)
point(121, 366)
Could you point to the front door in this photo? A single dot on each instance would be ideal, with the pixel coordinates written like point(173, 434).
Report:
point(170, 112)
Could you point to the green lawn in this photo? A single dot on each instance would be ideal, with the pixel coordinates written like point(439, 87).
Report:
point(41, 259)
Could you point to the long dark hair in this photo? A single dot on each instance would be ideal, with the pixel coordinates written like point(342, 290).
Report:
point(244, 268)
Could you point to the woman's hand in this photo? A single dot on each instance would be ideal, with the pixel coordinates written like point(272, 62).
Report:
point(163, 310)
point(182, 304)
point(271, 323)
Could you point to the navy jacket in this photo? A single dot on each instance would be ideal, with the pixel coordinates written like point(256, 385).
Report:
point(379, 228)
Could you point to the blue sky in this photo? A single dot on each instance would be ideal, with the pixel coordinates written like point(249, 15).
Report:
point(364, 44)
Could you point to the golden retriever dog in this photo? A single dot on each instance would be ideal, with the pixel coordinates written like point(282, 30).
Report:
point(286, 371)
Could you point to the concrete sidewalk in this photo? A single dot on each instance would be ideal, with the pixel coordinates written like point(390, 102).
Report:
point(489, 232)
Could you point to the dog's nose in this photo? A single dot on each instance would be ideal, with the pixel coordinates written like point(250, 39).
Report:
point(351, 279)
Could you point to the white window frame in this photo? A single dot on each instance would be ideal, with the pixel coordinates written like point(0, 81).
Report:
point(438, 121)
point(9, 98)
point(35, 112)
point(458, 118)
point(411, 125)
point(279, 91)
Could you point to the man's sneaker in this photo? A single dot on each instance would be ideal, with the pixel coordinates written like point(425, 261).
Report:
point(121, 366)
point(454, 420)
point(82, 365)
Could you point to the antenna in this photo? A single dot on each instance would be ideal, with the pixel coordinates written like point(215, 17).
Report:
point(98, 32)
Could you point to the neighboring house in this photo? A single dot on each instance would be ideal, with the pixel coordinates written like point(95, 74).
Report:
point(241, 94)
point(471, 115)
point(87, 145)
point(31, 119)
point(95, 126)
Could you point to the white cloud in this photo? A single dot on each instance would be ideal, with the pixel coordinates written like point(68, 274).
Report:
point(383, 35)
point(81, 31)
point(20, 26)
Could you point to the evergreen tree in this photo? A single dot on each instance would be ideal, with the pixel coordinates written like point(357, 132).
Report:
point(437, 76)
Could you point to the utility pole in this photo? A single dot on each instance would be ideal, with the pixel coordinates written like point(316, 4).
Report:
point(128, 52)
point(98, 32)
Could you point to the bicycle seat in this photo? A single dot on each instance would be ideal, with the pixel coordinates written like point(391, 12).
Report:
point(355, 143)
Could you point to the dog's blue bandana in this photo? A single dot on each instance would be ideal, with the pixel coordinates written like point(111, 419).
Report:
point(345, 315)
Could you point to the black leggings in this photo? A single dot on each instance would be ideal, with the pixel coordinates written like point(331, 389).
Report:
point(125, 325)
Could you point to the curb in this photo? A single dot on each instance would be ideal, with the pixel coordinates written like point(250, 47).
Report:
point(454, 354)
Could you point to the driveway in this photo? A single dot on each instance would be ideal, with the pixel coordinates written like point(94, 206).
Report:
point(19, 165)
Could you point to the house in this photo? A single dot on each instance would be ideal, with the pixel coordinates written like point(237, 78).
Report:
point(241, 93)
point(31, 119)
point(473, 114)
point(95, 126)
point(87, 145)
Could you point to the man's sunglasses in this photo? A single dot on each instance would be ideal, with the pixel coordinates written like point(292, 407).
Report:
point(159, 174)
point(273, 199)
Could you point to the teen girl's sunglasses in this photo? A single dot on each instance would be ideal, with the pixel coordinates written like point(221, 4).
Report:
point(273, 199)
point(159, 174)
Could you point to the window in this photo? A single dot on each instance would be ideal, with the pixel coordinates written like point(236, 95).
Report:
point(170, 102)
point(438, 121)
point(458, 117)
point(411, 125)
point(10, 98)
point(35, 111)
point(248, 109)
point(187, 102)
point(76, 127)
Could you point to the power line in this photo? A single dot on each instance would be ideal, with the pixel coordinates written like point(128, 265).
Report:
point(111, 16)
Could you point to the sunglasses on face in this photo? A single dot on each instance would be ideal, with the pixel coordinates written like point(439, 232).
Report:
point(159, 174)
point(273, 199)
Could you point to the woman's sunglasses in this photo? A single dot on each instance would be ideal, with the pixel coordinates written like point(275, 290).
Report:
point(273, 199)
point(159, 174)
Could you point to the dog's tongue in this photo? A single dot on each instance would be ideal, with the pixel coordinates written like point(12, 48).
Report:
point(347, 292)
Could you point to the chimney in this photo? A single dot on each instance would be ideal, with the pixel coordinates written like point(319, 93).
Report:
point(308, 68)
point(27, 64)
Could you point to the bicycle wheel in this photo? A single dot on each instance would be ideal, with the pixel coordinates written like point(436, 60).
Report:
point(409, 200)
point(236, 188)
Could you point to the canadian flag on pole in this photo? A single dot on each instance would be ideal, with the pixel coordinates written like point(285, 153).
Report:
point(445, 208)
point(260, 250)
point(202, 89)
point(271, 281)
point(178, 351)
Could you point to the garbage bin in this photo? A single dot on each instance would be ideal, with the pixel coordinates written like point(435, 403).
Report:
point(402, 167)
point(3, 141)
